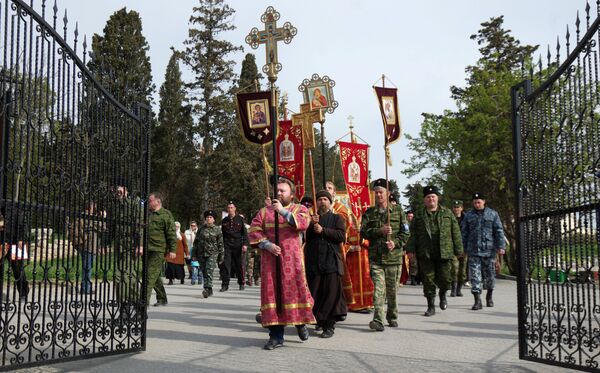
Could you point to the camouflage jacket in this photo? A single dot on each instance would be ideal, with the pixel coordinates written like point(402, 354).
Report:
point(209, 242)
point(161, 231)
point(372, 221)
point(482, 232)
point(450, 241)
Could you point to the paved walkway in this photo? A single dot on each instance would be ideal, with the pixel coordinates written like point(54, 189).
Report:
point(219, 334)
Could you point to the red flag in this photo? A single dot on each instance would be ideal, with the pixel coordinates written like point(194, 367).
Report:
point(388, 105)
point(254, 114)
point(355, 167)
point(290, 154)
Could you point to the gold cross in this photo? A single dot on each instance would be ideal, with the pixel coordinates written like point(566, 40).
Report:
point(270, 36)
point(306, 118)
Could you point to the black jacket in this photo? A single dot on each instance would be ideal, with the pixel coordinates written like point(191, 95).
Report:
point(322, 253)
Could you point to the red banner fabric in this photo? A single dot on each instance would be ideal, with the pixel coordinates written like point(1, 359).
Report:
point(290, 154)
point(355, 167)
point(388, 105)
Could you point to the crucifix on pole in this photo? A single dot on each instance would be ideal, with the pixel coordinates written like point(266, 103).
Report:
point(306, 118)
point(270, 36)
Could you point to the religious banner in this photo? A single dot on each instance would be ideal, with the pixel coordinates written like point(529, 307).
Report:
point(355, 167)
point(254, 114)
point(388, 105)
point(290, 154)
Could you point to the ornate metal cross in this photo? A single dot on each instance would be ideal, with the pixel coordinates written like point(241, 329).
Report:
point(270, 36)
point(306, 118)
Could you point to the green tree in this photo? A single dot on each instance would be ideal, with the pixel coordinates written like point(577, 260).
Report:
point(174, 170)
point(206, 54)
point(470, 149)
point(120, 59)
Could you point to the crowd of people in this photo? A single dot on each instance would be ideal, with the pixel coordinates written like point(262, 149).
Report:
point(313, 260)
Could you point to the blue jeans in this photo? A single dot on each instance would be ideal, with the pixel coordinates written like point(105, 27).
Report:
point(87, 262)
point(196, 276)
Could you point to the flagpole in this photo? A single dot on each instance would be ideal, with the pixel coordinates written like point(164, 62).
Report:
point(387, 181)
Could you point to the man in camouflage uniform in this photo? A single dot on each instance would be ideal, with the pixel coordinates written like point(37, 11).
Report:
point(436, 240)
point(252, 266)
point(483, 236)
point(162, 241)
point(209, 250)
point(458, 263)
point(125, 218)
point(385, 252)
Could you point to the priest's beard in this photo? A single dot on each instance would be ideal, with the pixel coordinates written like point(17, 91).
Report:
point(322, 210)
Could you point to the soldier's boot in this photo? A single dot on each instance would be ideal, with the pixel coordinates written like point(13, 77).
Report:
point(477, 305)
point(453, 290)
point(443, 300)
point(210, 293)
point(207, 292)
point(488, 298)
point(413, 280)
point(224, 288)
point(458, 289)
point(430, 307)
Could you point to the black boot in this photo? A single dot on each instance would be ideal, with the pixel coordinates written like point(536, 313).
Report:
point(458, 289)
point(413, 280)
point(443, 301)
point(430, 307)
point(224, 288)
point(453, 291)
point(477, 305)
point(488, 298)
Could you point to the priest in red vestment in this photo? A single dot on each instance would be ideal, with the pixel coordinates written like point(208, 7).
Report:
point(296, 300)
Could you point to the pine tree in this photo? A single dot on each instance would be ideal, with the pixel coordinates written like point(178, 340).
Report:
point(206, 54)
point(120, 59)
point(174, 156)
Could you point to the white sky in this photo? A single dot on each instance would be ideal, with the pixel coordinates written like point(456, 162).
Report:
point(422, 46)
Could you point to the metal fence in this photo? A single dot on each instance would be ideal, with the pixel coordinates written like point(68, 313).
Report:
point(74, 175)
point(556, 117)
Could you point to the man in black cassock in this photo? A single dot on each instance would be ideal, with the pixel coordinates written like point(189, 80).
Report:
point(323, 263)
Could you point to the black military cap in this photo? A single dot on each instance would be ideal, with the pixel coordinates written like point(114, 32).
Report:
point(430, 189)
point(478, 195)
point(457, 203)
point(410, 210)
point(324, 193)
point(307, 200)
point(380, 183)
point(393, 198)
point(231, 203)
point(120, 181)
point(208, 213)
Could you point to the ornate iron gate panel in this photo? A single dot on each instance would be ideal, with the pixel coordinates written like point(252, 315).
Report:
point(556, 117)
point(74, 175)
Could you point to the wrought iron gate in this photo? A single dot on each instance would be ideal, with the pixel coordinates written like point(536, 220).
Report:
point(556, 117)
point(74, 173)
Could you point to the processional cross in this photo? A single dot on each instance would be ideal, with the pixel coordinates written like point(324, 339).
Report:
point(306, 118)
point(270, 36)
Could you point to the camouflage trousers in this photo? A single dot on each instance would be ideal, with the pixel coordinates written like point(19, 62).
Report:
point(385, 282)
point(156, 260)
point(252, 265)
point(127, 277)
point(459, 270)
point(482, 266)
point(436, 273)
point(208, 265)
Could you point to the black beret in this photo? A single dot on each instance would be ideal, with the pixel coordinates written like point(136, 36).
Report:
point(430, 189)
point(208, 213)
point(477, 195)
point(380, 183)
point(457, 203)
point(324, 193)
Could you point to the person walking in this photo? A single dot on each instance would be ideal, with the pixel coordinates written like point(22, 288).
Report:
point(483, 236)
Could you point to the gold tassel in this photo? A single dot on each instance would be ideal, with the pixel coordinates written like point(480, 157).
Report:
point(267, 164)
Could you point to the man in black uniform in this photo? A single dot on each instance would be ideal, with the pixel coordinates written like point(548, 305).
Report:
point(235, 239)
